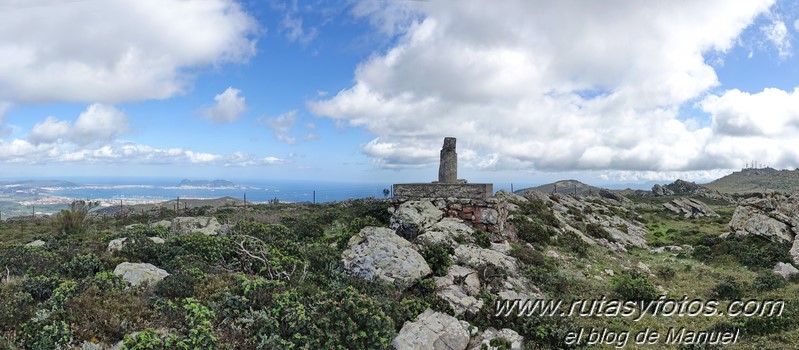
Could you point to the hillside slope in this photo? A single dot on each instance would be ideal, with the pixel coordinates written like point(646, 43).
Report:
point(752, 180)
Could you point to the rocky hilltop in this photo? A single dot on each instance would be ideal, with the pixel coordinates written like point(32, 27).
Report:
point(423, 273)
point(757, 180)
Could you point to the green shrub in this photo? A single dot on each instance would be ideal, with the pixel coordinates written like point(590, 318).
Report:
point(46, 335)
point(20, 260)
point(107, 281)
point(73, 220)
point(633, 285)
point(491, 276)
point(597, 231)
point(199, 331)
point(573, 243)
point(40, 287)
point(532, 231)
point(62, 294)
point(15, 307)
point(481, 239)
point(438, 257)
point(527, 255)
point(729, 289)
point(539, 211)
point(176, 286)
point(147, 339)
point(665, 272)
point(767, 281)
point(83, 265)
point(107, 314)
point(350, 320)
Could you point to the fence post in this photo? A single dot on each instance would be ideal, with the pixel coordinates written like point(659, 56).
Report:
point(314, 197)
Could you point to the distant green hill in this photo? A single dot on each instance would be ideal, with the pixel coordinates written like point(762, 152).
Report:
point(564, 186)
point(757, 180)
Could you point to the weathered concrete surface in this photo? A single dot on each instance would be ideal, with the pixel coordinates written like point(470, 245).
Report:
point(448, 165)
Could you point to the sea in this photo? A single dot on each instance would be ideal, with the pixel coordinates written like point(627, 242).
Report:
point(49, 199)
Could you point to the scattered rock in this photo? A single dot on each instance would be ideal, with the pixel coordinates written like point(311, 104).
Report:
point(433, 330)
point(459, 288)
point(690, 208)
point(162, 223)
point(671, 248)
point(474, 256)
point(749, 220)
point(378, 252)
point(785, 270)
point(412, 217)
point(206, 225)
point(794, 252)
point(36, 243)
point(484, 341)
point(643, 267)
point(116, 245)
point(660, 191)
point(447, 231)
point(139, 273)
point(773, 216)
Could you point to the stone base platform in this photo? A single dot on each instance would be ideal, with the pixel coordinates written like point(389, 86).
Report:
point(443, 190)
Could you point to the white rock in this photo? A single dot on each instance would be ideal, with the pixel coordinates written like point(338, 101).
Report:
point(491, 334)
point(206, 225)
point(459, 288)
point(412, 218)
point(433, 330)
point(378, 252)
point(36, 243)
point(138, 273)
point(785, 270)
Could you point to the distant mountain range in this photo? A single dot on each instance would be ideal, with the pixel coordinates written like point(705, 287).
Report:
point(206, 183)
point(564, 186)
point(748, 180)
point(38, 183)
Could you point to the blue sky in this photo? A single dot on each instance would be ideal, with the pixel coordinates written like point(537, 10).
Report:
point(610, 92)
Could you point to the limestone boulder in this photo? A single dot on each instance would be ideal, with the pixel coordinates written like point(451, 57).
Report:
point(459, 288)
point(794, 252)
point(750, 220)
point(474, 256)
point(412, 218)
point(206, 225)
point(689, 208)
point(378, 252)
point(433, 331)
point(36, 243)
point(447, 231)
point(116, 245)
point(484, 341)
point(138, 273)
point(785, 270)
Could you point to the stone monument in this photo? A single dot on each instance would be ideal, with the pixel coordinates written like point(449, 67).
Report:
point(448, 163)
point(448, 184)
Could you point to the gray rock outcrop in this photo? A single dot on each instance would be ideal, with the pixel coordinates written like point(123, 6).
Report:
point(377, 252)
point(689, 208)
point(138, 273)
point(459, 288)
point(36, 243)
point(433, 330)
point(116, 245)
point(412, 217)
point(446, 231)
point(209, 226)
point(775, 217)
point(785, 270)
point(490, 334)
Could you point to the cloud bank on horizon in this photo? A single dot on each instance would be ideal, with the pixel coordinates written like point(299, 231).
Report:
point(630, 89)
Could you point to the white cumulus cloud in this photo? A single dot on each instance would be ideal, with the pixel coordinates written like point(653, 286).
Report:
point(115, 51)
point(282, 125)
point(547, 85)
point(228, 106)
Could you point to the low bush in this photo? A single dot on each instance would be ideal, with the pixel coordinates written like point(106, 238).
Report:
point(633, 285)
point(438, 257)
